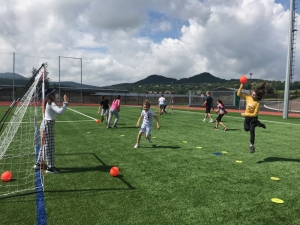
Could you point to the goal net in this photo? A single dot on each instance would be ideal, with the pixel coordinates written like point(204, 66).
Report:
point(19, 138)
point(153, 97)
point(197, 98)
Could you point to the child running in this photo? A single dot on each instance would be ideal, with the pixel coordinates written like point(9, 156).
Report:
point(104, 105)
point(114, 110)
point(252, 108)
point(221, 112)
point(147, 123)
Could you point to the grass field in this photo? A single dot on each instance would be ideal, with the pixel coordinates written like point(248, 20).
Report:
point(172, 183)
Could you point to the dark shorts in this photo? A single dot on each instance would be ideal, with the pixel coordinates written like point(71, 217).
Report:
point(161, 106)
point(219, 118)
point(207, 110)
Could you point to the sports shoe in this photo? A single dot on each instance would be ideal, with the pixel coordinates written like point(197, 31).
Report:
point(115, 126)
point(108, 127)
point(37, 166)
point(252, 149)
point(136, 146)
point(259, 124)
point(204, 120)
point(211, 121)
point(52, 170)
point(149, 139)
point(102, 119)
point(215, 128)
point(225, 128)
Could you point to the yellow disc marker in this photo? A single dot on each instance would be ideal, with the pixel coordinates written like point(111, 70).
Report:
point(153, 137)
point(184, 141)
point(277, 200)
point(274, 178)
point(122, 135)
point(238, 161)
point(224, 152)
point(199, 147)
point(88, 132)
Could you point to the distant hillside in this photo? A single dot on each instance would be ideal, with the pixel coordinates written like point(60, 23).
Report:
point(7, 79)
point(72, 84)
point(155, 79)
point(201, 78)
point(9, 75)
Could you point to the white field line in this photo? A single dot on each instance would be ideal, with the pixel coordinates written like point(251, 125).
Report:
point(82, 114)
point(75, 121)
point(240, 118)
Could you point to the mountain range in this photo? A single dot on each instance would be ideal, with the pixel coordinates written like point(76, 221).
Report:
point(5, 79)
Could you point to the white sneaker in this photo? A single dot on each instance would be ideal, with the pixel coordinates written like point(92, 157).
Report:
point(211, 121)
point(204, 120)
point(149, 139)
point(136, 146)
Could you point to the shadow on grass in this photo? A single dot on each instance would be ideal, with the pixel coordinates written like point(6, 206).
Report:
point(90, 190)
point(278, 159)
point(125, 127)
point(161, 146)
point(15, 195)
point(103, 168)
point(100, 168)
point(228, 129)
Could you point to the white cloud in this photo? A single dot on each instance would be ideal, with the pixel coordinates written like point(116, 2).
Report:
point(225, 38)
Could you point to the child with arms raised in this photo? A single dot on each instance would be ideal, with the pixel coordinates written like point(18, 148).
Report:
point(251, 112)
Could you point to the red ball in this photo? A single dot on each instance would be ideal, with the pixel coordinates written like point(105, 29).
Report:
point(114, 171)
point(243, 79)
point(6, 176)
point(97, 121)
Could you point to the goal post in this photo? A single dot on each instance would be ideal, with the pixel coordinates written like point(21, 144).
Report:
point(197, 97)
point(20, 138)
point(153, 97)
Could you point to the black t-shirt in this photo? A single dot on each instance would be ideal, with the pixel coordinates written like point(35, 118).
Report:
point(209, 101)
point(104, 104)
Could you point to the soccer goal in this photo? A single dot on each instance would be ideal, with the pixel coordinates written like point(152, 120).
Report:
point(197, 98)
point(153, 97)
point(20, 138)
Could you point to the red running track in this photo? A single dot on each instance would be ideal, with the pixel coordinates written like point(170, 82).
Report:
point(276, 113)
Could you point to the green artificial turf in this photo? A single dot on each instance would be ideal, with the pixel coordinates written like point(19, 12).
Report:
point(172, 183)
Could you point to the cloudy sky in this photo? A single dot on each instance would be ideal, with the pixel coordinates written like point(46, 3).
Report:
point(127, 40)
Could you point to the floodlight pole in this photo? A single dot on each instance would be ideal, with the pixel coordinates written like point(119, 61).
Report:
point(14, 55)
point(289, 69)
point(59, 79)
point(80, 74)
point(250, 81)
point(81, 79)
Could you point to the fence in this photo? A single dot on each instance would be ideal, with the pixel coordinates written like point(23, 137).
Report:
point(294, 106)
point(228, 97)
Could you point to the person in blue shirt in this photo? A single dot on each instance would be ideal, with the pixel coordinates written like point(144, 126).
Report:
point(208, 104)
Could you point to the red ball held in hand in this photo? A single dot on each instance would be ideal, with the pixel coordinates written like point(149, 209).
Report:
point(243, 79)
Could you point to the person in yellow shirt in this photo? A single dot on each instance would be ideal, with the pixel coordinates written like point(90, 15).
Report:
point(252, 108)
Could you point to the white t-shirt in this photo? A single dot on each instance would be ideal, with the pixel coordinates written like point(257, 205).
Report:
point(52, 110)
point(161, 100)
point(147, 117)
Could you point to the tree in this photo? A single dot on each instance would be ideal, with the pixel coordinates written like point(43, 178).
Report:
point(47, 80)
